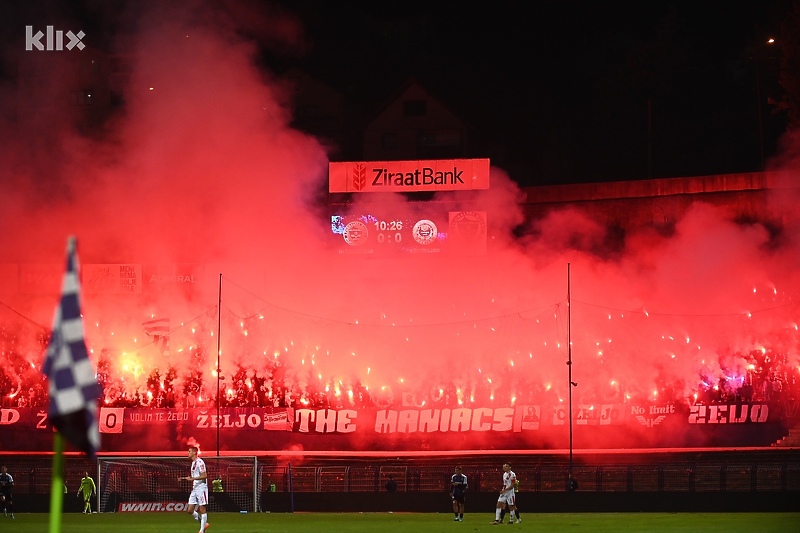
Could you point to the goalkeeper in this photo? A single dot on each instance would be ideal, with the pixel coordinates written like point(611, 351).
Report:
point(88, 489)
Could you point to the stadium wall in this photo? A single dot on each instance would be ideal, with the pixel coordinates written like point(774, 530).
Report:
point(766, 480)
point(661, 202)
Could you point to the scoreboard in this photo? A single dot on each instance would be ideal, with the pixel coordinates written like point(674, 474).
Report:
point(433, 231)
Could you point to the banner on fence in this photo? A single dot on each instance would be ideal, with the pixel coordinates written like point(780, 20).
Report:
point(417, 428)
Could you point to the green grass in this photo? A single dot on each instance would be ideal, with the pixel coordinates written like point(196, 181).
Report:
point(410, 522)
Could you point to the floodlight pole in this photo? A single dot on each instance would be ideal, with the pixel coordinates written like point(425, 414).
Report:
point(219, 350)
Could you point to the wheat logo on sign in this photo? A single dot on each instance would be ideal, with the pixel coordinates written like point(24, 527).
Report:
point(359, 177)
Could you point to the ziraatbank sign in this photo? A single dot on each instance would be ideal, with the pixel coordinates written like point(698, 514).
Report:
point(409, 176)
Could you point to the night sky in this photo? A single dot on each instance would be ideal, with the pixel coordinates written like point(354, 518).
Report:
point(566, 92)
point(558, 92)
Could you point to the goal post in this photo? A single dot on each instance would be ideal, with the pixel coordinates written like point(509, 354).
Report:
point(147, 484)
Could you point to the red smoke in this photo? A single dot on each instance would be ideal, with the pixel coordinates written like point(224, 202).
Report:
point(202, 168)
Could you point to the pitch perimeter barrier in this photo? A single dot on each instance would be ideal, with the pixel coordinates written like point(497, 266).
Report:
point(760, 480)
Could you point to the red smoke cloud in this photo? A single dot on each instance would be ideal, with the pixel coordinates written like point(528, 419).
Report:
point(202, 168)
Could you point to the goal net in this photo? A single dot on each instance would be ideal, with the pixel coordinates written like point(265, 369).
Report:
point(146, 484)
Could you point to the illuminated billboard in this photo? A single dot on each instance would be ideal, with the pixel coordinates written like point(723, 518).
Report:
point(408, 176)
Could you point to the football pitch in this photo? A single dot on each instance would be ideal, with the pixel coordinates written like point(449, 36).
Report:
point(410, 522)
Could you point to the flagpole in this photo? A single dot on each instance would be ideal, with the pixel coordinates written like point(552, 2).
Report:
point(219, 348)
point(57, 485)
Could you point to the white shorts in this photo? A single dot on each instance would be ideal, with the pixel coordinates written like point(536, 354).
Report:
point(199, 495)
point(508, 498)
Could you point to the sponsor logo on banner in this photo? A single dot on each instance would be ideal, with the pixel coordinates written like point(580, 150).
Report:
point(278, 421)
point(112, 278)
point(172, 276)
point(652, 416)
point(149, 507)
point(650, 422)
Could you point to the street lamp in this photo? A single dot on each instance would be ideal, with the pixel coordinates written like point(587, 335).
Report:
point(219, 353)
point(769, 42)
point(572, 484)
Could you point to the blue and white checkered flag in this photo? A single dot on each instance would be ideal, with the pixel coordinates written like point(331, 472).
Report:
point(74, 390)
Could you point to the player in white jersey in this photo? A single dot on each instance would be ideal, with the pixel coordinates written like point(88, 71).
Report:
point(507, 498)
point(198, 498)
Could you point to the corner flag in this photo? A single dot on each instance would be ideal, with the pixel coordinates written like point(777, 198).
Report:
point(73, 388)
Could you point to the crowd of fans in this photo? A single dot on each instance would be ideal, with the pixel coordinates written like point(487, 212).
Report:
point(24, 386)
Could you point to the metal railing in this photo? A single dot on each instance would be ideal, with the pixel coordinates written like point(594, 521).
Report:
point(32, 475)
point(657, 477)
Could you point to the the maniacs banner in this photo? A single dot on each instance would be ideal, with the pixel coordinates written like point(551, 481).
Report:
point(419, 428)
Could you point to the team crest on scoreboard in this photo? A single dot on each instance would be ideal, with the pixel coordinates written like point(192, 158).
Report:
point(425, 232)
point(355, 233)
point(468, 226)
